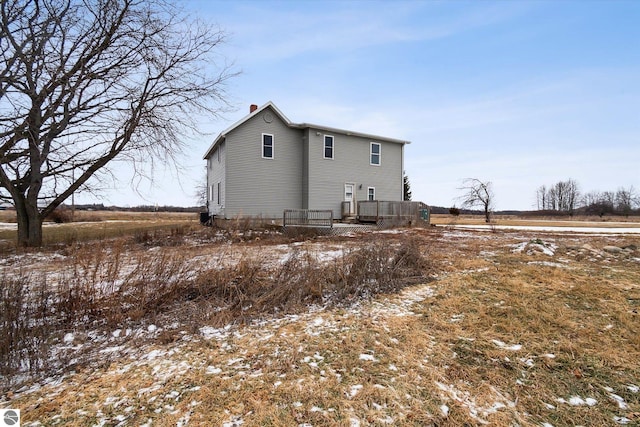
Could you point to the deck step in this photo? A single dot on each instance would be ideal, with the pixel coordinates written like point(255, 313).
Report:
point(349, 220)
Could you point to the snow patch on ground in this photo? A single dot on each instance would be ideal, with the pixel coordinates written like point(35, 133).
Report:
point(535, 246)
point(586, 230)
point(578, 401)
point(513, 347)
point(477, 411)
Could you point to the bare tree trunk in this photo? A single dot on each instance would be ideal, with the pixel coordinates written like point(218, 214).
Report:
point(29, 223)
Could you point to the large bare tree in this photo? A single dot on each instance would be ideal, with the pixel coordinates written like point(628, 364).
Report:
point(626, 199)
point(562, 196)
point(477, 193)
point(84, 82)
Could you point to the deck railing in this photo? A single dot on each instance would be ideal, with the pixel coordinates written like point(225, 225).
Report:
point(307, 218)
point(392, 213)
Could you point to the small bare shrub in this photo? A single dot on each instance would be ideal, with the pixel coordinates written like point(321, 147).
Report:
point(245, 229)
point(142, 237)
point(173, 236)
point(61, 215)
point(303, 233)
point(378, 268)
point(24, 329)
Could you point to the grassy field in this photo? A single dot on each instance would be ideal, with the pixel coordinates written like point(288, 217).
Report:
point(583, 221)
point(92, 225)
point(498, 328)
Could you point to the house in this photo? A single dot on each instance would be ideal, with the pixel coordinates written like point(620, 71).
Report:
point(264, 164)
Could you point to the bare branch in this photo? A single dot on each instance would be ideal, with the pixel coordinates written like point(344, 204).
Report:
point(84, 82)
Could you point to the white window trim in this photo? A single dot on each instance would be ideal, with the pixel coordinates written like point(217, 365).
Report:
point(371, 153)
point(374, 193)
point(273, 146)
point(333, 147)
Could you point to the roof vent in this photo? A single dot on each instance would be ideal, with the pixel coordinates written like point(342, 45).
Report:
point(252, 108)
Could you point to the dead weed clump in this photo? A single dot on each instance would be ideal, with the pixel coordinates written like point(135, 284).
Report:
point(107, 286)
point(378, 268)
point(250, 290)
point(24, 329)
point(61, 215)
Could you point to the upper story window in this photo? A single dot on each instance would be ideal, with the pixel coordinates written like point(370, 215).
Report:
point(328, 147)
point(267, 146)
point(375, 154)
point(371, 194)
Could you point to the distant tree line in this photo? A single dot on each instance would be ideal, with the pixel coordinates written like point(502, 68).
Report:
point(140, 208)
point(566, 197)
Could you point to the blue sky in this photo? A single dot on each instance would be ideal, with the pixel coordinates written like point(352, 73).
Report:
point(519, 93)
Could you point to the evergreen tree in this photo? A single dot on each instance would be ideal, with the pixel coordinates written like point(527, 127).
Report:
point(407, 188)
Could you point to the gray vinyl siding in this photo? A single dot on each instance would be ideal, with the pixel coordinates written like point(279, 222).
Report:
point(260, 187)
point(216, 174)
point(305, 169)
point(351, 164)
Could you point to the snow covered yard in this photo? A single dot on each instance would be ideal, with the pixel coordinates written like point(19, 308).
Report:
point(508, 328)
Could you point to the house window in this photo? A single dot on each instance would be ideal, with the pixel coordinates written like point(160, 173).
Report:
point(328, 147)
point(375, 154)
point(267, 146)
point(211, 192)
point(218, 201)
point(371, 194)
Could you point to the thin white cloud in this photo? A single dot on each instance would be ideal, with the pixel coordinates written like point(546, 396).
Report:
point(267, 33)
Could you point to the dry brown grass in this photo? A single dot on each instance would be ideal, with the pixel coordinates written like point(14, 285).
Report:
point(96, 225)
point(566, 221)
point(504, 335)
point(97, 216)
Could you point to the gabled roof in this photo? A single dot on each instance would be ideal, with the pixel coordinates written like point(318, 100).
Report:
point(288, 122)
point(224, 133)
